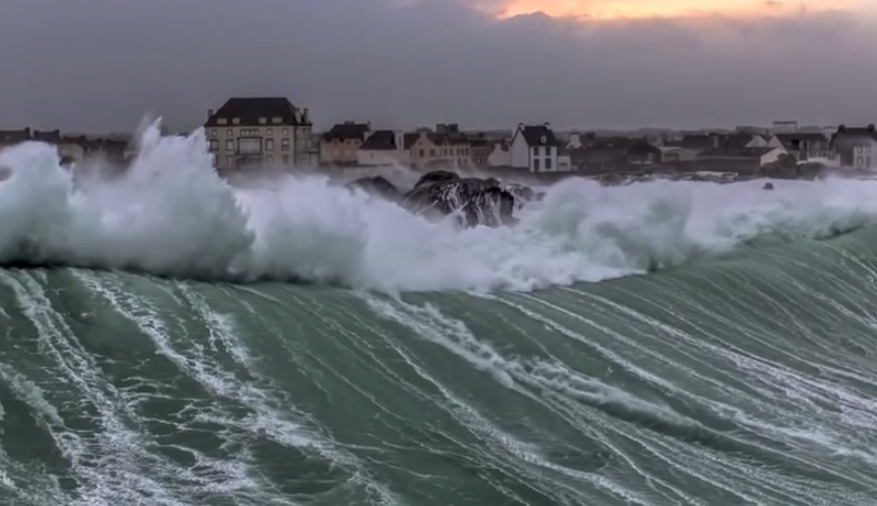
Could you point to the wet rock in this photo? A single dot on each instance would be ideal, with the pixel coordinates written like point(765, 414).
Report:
point(478, 201)
point(377, 186)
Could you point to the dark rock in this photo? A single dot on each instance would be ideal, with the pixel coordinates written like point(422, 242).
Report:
point(377, 186)
point(478, 201)
point(767, 186)
point(522, 194)
point(436, 176)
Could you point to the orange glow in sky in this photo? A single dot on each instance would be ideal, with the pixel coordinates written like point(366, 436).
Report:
point(650, 9)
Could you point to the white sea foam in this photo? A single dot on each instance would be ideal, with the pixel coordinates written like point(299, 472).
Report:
point(170, 214)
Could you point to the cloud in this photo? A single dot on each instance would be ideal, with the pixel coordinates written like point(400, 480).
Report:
point(613, 10)
point(99, 64)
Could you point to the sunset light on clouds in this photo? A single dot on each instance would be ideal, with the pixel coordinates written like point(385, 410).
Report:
point(609, 10)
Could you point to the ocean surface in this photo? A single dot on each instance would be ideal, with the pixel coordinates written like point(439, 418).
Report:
point(170, 340)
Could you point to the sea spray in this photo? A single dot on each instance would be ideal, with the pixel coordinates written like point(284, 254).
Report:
point(170, 214)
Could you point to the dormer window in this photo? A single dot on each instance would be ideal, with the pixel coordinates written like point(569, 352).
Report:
point(543, 140)
point(277, 120)
point(236, 121)
point(222, 121)
point(263, 121)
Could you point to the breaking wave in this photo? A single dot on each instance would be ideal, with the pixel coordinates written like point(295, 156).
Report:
point(170, 214)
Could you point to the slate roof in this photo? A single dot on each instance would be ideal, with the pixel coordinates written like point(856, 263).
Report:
point(845, 136)
point(735, 152)
point(479, 141)
point(736, 141)
point(250, 109)
point(538, 135)
point(380, 140)
point(15, 136)
point(643, 147)
point(347, 131)
point(52, 137)
point(801, 136)
point(711, 141)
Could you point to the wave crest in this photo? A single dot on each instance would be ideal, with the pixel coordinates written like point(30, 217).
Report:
point(170, 214)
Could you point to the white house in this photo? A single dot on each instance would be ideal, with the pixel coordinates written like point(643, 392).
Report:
point(574, 141)
point(499, 155)
point(535, 148)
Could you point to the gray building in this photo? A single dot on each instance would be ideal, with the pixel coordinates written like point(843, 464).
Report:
point(258, 132)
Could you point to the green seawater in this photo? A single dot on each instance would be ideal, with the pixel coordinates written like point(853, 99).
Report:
point(750, 379)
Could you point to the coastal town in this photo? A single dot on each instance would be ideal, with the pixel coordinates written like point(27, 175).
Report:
point(271, 131)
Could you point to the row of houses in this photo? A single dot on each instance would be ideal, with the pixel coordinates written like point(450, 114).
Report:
point(259, 131)
point(72, 147)
point(272, 131)
point(537, 148)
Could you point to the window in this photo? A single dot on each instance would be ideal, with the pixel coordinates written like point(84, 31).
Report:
point(422, 152)
point(548, 164)
point(285, 159)
point(284, 144)
point(270, 132)
point(276, 120)
point(222, 121)
point(236, 121)
point(285, 131)
point(214, 133)
point(229, 133)
point(269, 144)
point(536, 151)
point(229, 161)
point(214, 144)
point(269, 158)
point(250, 145)
point(229, 144)
point(263, 121)
point(535, 165)
point(432, 153)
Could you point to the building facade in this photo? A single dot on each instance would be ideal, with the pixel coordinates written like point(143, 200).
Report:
point(260, 131)
point(856, 147)
point(535, 148)
point(340, 144)
point(443, 147)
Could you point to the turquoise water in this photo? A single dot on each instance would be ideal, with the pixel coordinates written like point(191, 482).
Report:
point(743, 380)
point(167, 338)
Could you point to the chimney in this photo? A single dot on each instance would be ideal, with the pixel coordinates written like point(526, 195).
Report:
point(209, 114)
point(871, 127)
point(305, 113)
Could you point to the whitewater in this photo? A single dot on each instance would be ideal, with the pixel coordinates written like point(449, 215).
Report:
point(169, 338)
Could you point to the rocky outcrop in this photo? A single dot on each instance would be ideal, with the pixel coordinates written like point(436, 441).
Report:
point(478, 201)
point(377, 186)
point(522, 194)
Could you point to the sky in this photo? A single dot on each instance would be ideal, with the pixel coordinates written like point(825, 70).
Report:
point(101, 65)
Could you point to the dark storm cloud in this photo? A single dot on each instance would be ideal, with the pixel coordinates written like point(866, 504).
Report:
point(101, 64)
